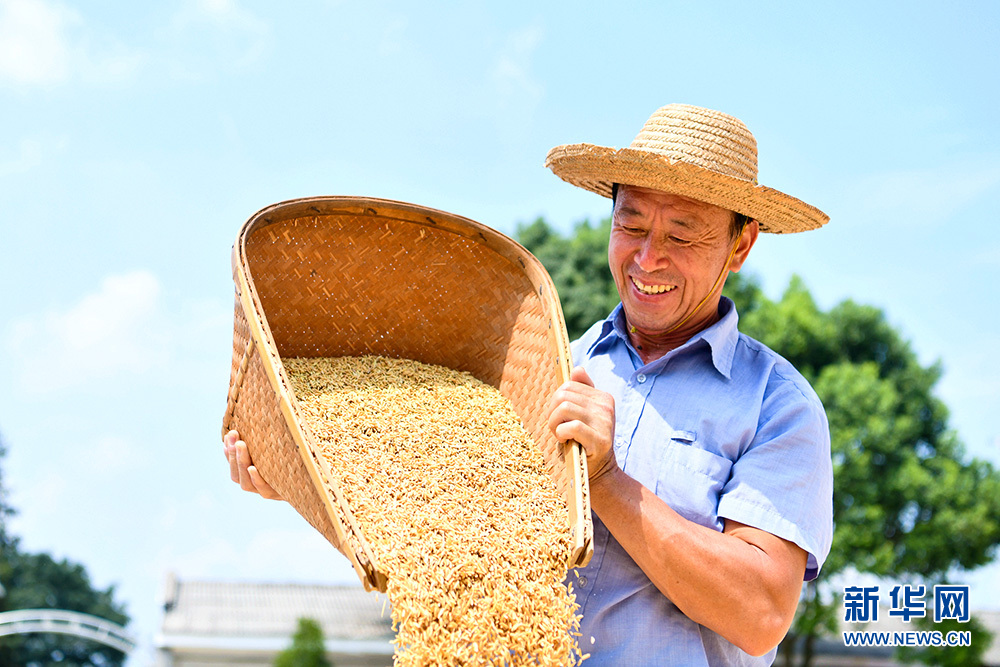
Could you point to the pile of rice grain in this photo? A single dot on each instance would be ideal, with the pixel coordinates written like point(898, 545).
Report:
point(454, 500)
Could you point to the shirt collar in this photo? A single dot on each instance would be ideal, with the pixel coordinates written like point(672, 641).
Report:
point(721, 337)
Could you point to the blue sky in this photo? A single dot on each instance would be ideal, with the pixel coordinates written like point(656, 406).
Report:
point(137, 138)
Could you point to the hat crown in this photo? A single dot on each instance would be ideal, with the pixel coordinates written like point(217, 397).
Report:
point(693, 152)
point(703, 137)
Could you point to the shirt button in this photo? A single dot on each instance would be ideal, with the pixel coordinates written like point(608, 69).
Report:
point(641, 378)
point(582, 581)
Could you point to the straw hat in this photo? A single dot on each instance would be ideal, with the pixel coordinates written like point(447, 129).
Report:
point(694, 152)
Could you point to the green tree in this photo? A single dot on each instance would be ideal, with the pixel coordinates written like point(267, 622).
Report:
point(6, 511)
point(950, 656)
point(909, 505)
point(37, 581)
point(579, 268)
point(306, 649)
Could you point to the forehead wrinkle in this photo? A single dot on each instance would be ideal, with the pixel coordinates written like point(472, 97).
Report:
point(701, 229)
point(689, 213)
point(631, 211)
point(625, 209)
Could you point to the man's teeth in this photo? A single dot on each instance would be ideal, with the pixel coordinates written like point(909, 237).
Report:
point(652, 289)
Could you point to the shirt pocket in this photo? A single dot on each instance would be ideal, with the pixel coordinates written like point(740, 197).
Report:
point(690, 479)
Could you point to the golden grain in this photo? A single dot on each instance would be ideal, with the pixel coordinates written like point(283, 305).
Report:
point(454, 500)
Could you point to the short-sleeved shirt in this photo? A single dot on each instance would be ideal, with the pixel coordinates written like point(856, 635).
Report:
point(719, 428)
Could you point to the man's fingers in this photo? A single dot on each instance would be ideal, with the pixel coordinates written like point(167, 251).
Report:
point(567, 411)
point(241, 467)
point(581, 412)
point(263, 488)
point(575, 430)
point(571, 393)
point(574, 400)
point(576, 388)
point(243, 462)
point(249, 477)
point(227, 444)
point(578, 374)
point(600, 459)
point(582, 423)
point(234, 464)
point(229, 450)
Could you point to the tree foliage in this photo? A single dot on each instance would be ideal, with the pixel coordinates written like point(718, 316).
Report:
point(579, 268)
point(37, 581)
point(907, 500)
point(6, 511)
point(306, 649)
point(909, 505)
point(950, 656)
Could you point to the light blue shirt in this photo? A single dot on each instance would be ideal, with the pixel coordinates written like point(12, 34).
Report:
point(719, 428)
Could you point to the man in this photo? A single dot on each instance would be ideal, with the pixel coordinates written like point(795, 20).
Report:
point(709, 455)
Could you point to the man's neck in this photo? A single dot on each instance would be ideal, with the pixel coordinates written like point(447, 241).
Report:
point(652, 346)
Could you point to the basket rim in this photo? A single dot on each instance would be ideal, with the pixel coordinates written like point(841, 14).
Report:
point(365, 564)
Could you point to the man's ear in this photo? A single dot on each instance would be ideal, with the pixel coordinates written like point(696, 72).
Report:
point(747, 238)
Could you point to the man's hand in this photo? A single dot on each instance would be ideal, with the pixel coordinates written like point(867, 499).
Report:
point(242, 470)
point(578, 411)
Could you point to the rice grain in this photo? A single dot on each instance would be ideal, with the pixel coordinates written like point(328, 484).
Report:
point(454, 500)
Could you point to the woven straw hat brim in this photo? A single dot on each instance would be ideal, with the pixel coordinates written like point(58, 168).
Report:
point(595, 168)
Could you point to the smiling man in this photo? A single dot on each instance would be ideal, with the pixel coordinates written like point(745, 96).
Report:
point(709, 455)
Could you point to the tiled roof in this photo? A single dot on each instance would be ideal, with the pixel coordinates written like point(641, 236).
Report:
point(252, 609)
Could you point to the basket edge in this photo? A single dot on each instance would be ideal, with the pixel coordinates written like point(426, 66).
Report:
point(364, 564)
point(580, 518)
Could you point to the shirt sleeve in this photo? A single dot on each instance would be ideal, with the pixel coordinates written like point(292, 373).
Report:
point(783, 482)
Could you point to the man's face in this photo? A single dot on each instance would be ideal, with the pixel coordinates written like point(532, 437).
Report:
point(666, 253)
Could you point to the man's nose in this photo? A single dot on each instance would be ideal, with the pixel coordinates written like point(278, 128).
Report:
point(651, 255)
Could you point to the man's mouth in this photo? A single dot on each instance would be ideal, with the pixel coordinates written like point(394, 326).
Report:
point(652, 289)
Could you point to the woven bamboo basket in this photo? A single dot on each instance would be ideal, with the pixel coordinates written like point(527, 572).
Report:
point(349, 276)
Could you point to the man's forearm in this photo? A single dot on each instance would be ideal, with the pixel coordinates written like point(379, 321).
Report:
point(742, 583)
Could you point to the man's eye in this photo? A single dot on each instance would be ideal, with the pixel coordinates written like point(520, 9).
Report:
point(679, 241)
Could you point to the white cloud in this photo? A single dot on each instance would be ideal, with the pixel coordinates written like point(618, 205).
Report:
point(926, 197)
point(512, 75)
point(27, 156)
point(196, 514)
point(118, 329)
point(220, 14)
point(393, 35)
point(233, 37)
point(315, 558)
point(111, 456)
point(987, 580)
point(34, 41)
point(988, 256)
point(71, 477)
point(117, 63)
point(275, 555)
point(48, 43)
point(238, 535)
point(44, 43)
point(43, 499)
